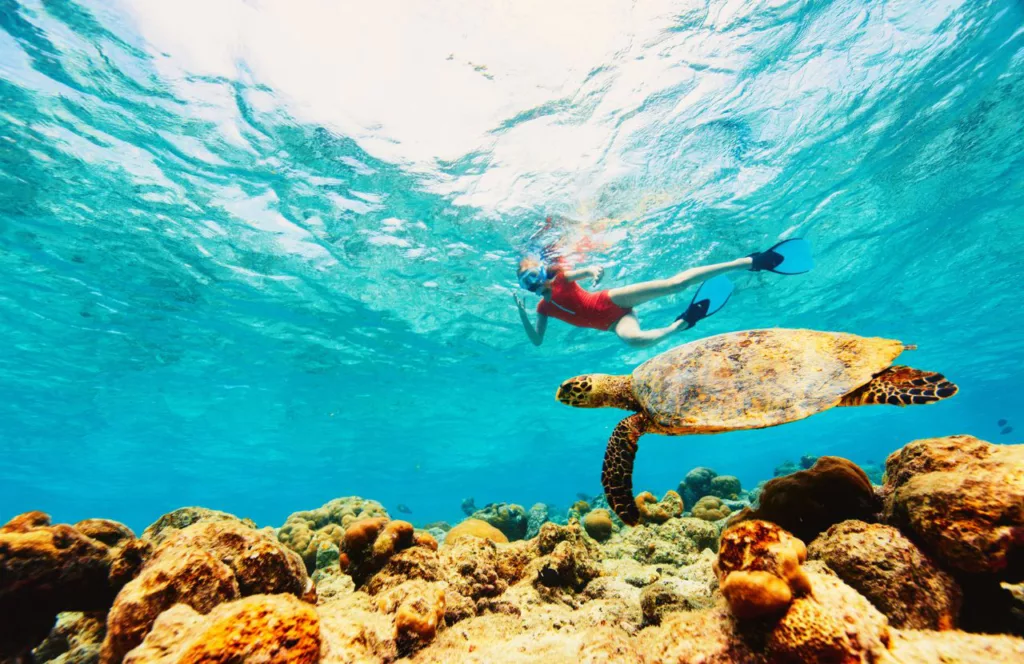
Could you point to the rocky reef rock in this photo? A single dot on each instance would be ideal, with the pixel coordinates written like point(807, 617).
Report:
point(598, 524)
point(923, 647)
point(183, 517)
point(368, 545)
point(807, 502)
point(725, 486)
point(696, 484)
point(889, 570)
point(47, 569)
point(538, 515)
point(962, 499)
point(758, 567)
point(202, 565)
point(675, 542)
point(74, 639)
point(475, 528)
point(578, 510)
point(710, 508)
point(259, 628)
point(653, 510)
point(317, 534)
point(510, 519)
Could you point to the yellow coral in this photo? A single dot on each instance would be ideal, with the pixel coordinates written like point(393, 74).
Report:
point(764, 556)
point(654, 511)
point(710, 508)
point(598, 524)
point(475, 528)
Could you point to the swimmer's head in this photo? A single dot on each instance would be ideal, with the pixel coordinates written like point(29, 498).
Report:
point(533, 274)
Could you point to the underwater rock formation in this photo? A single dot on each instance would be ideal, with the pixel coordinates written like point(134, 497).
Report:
point(317, 534)
point(710, 508)
point(890, 571)
point(961, 498)
point(183, 517)
point(468, 506)
point(369, 544)
point(653, 510)
point(675, 542)
point(807, 502)
point(74, 639)
point(758, 567)
point(725, 486)
point(259, 628)
point(475, 528)
point(48, 569)
point(202, 565)
point(696, 484)
point(598, 524)
point(510, 519)
point(538, 515)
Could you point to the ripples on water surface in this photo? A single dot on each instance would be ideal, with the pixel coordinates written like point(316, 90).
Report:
point(255, 256)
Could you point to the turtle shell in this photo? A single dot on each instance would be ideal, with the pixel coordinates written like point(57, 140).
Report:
point(756, 378)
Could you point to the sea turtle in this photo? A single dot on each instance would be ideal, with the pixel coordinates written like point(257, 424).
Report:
point(744, 380)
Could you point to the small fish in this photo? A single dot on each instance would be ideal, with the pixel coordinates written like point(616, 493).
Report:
point(403, 508)
point(1007, 430)
point(1001, 423)
point(582, 496)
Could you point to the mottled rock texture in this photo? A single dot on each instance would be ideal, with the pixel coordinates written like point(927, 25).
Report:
point(962, 500)
point(884, 566)
point(314, 533)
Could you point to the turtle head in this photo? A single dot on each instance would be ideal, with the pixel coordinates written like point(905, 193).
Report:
point(598, 391)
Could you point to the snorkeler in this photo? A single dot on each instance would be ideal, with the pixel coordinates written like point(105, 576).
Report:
point(612, 309)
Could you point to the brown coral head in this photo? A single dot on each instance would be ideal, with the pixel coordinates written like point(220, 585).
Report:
point(654, 511)
point(362, 534)
point(757, 550)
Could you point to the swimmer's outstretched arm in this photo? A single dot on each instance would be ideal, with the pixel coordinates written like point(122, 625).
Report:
point(594, 271)
point(536, 335)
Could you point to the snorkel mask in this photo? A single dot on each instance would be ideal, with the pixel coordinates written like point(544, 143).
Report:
point(534, 278)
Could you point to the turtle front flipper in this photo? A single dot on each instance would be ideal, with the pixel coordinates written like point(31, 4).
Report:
point(617, 473)
point(902, 386)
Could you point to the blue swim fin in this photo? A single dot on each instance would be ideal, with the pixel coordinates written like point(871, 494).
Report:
point(791, 256)
point(710, 297)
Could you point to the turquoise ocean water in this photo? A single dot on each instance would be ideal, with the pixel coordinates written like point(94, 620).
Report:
point(255, 258)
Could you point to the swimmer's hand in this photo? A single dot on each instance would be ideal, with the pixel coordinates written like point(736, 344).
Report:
point(597, 272)
point(519, 301)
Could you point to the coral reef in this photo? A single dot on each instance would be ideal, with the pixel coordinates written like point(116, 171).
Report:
point(204, 586)
point(653, 510)
point(259, 628)
point(316, 535)
point(538, 515)
point(202, 565)
point(598, 524)
point(183, 517)
point(725, 486)
point(368, 545)
point(696, 484)
point(578, 510)
point(475, 528)
point(48, 569)
point(961, 498)
point(807, 502)
point(675, 542)
point(889, 570)
point(509, 519)
point(710, 508)
point(758, 567)
point(74, 639)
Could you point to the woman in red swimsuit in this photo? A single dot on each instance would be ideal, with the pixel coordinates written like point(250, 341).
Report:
point(612, 309)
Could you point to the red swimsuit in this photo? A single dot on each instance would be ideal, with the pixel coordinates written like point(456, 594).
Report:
point(571, 303)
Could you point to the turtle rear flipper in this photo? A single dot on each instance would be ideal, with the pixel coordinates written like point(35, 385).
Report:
point(617, 472)
point(902, 386)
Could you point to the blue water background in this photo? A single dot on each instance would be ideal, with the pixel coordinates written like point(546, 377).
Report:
point(261, 322)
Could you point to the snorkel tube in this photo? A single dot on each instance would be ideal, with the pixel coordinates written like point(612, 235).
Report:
point(533, 274)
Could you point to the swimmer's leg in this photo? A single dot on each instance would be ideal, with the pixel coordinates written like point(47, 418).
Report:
point(628, 329)
point(628, 297)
